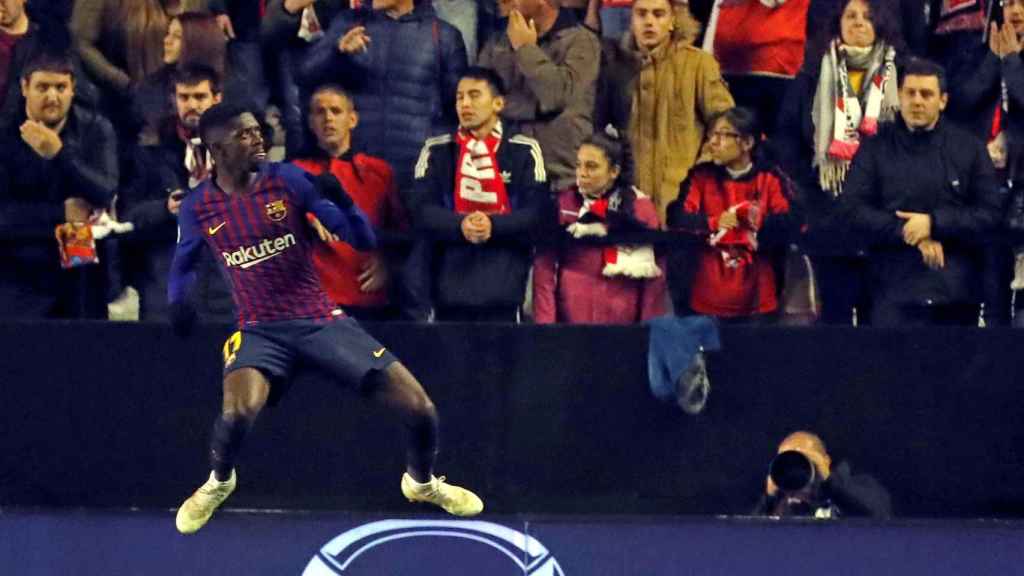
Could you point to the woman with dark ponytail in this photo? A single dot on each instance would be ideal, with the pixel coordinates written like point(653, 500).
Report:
point(586, 283)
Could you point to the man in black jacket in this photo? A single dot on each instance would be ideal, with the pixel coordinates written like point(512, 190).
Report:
point(986, 95)
point(163, 175)
point(924, 194)
point(484, 192)
point(59, 163)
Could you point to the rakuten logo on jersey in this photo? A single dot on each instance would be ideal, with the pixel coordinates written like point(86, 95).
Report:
point(248, 256)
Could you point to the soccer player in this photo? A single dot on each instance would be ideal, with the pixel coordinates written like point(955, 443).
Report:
point(252, 215)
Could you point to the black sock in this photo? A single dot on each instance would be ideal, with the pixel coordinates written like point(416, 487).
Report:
point(225, 444)
point(423, 446)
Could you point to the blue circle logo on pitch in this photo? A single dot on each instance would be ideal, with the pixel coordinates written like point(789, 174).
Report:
point(423, 547)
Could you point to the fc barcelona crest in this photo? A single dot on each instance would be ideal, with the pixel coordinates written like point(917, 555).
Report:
point(277, 211)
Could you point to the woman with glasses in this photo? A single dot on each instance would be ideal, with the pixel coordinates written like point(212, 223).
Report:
point(846, 89)
point(739, 205)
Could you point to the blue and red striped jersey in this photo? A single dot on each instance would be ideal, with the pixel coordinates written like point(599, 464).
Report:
point(263, 243)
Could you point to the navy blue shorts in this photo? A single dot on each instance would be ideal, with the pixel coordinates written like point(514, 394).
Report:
point(339, 348)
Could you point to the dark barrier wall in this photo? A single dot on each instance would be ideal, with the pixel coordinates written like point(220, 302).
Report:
point(537, 419)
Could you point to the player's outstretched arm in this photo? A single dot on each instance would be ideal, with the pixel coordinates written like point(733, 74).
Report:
point(328, 201)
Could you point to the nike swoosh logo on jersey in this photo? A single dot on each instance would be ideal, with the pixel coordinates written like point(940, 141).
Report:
point(214, 229)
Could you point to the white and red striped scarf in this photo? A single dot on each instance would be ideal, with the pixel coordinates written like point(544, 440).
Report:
point(840, 119)
point(629, 260)
point(478, 182)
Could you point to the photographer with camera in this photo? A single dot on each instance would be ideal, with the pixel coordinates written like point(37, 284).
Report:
point(802, 482)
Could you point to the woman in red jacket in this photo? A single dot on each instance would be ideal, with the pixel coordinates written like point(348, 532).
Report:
point(580, 283)
point(741, 206)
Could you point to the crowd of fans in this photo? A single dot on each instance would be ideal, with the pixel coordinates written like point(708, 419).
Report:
point(605, 161)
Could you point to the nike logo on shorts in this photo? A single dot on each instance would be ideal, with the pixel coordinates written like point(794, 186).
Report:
point(379, 353)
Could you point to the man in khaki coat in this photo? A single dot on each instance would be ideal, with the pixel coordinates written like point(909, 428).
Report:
point(662, 91)
point(549, 64)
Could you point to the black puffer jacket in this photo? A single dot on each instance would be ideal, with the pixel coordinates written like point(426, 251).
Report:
point(403, 85)
point(944, 172)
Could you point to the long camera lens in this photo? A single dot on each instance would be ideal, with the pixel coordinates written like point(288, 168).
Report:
point(791, 471)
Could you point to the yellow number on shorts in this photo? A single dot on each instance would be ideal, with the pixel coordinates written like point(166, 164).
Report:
point(231, 347)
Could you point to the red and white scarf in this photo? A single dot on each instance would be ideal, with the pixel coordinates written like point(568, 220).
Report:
point(479, 185)
point(629, 260)
point(960, 15)
point(840, 118)
point(198, 160)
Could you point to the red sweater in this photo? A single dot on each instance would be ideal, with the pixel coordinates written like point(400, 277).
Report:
point(718, 288)
point(752, 38)
point(368, 180)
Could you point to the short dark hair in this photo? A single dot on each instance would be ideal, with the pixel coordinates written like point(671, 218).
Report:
point(487, 75)
point(194, 74)
point(56, 62)
point(334, 88)
point(923, 67)
point(744, 120)
point(219, 116)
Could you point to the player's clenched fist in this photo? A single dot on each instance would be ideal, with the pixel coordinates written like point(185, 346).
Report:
point(354, 41)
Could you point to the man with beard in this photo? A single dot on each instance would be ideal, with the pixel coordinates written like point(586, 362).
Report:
point(252, 215)
point(163, 175)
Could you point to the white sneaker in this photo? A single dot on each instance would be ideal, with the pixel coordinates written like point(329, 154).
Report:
point(455, 500)
point(196, 511)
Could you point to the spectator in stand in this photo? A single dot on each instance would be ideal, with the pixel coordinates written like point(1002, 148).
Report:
point(485, 193)
point(59, 162)
point(580, 283)
point(193, 38)
point(846, 90)
point(760, 47)
point(23, 34)
point(741, 205)
point(986, 96)
point(550, 63)
point(957, 25)
point(121, 42)
point(164, 173)
point(400, 63)
point(356, 281)
point(924, 194)
point(288, 31)
point(663, 93)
